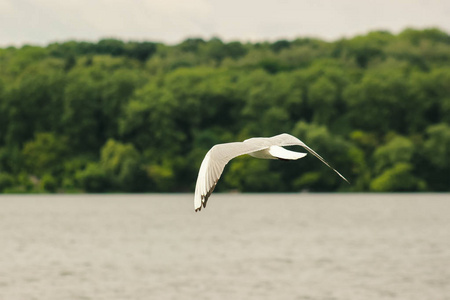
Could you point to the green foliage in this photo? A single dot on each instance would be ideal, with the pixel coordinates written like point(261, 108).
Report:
point(136, 50)
point(162, 176)
point(328, 146)
point(115, 116)
point(45, 154)
point(364, 49)
point(6, 181)
point(380, 96)
point(49, 183)
point(27, 55)
point(93, 179)
point(280, 45)
point(322, 97)
point(252, 175)
point(437, 146)
point(35, 96)
point(398, 149)
point(121, 164)
point(399, 178)
point(141, 51)
point(436, 153)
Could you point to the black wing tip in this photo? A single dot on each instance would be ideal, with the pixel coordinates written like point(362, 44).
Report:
point(204, 200)
point(206, 197)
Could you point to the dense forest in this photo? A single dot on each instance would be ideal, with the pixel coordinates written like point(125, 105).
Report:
point(115, 116)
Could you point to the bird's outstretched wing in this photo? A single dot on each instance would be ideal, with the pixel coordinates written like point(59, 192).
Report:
point(214, 162)
point(285, 139)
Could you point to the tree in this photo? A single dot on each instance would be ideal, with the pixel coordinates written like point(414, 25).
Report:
point(122, 165)
point(110, 46)
point(318, 176)
point(6, 181)
point(247, 174)
point(141, 51)
point(235, 50)
point(191, 44)
point(93, 179)
point(322, 96)
point(113, 116)
point(36, 100)
point(398, 149)
point(148, 120)
point(364, 49)
point(399, 178)
point(380, 102)
point(436, 157)
point(45, 154)
point(280, 45)
point(82, 117)
point(115, 93)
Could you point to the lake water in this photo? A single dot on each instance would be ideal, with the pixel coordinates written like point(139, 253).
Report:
point(242, 246)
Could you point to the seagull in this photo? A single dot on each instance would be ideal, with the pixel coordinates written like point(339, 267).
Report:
point(260, 147)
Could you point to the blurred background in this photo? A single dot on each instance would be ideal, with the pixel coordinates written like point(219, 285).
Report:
point(128, 96)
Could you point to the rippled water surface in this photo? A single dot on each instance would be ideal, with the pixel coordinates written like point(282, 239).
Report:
point(250, 246)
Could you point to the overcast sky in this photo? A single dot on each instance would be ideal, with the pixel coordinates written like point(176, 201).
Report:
point(171, 21)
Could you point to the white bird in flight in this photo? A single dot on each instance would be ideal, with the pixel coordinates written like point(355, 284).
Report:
point(266, 148)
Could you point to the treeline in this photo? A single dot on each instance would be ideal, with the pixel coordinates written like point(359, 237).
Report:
point(117, 116)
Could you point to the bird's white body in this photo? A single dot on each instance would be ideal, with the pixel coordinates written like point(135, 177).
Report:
point(265, 148)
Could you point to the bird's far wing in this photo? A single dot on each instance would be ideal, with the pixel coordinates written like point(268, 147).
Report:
point(285, 139)
point(214, 163)
point(284, 154)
